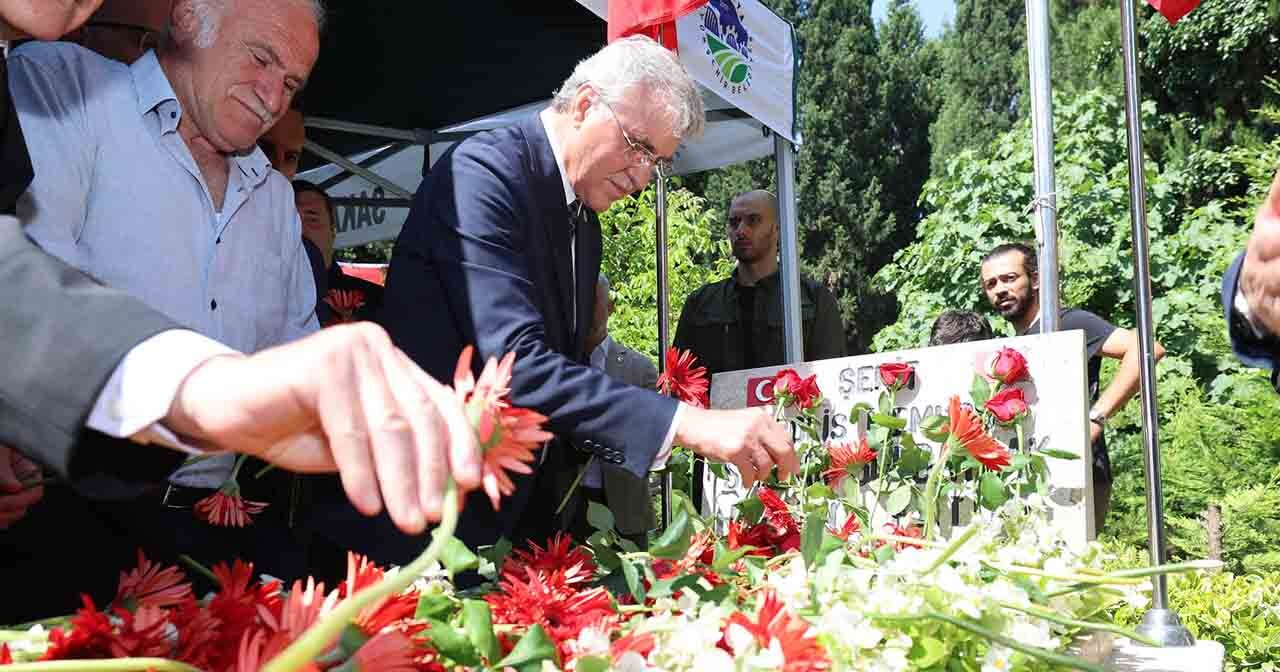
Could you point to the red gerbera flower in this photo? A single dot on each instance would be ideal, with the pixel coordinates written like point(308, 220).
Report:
point(88, 638)
point(200, 638)
point(851, 525)
point(392, 610)
point(6, 658)
point(904, 530)
point(683, 380)
point(150, 585)
point(226, 508)
point(344, 302)
point(965, 428)
point(843, 456)
point(561, 554)
point(773, 624)
point(142, 634)
point(508, 436)
point(544, 599)
point(784, 530)
point(394, 651)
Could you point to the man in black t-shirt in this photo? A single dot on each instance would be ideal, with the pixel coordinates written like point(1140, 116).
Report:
point(1011, 283)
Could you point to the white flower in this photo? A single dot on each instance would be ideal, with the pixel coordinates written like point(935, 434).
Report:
point(631, 662)
point(739, 639)
point(37, 642)
point(1034, 634)
point(791, 583)
point(592, 641)
point(997, 660)
point(713, 660)
point(769, 658)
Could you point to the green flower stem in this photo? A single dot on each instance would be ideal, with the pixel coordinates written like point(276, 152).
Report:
point(110, 665)
point(931, 488)
point(1022, 441)
point(643, 556)
point(1083, 625)
point(951, 549)
point(878, 536)
point(199, 568)
point(1136, 576)
point(1071, 578)
point(235, 471)
point(320, 635)
point(21, 636)
point(574, 486)
point(1033, 651)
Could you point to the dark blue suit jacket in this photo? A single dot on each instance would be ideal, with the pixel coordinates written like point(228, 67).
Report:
point(484, 259)
point(1245, 346)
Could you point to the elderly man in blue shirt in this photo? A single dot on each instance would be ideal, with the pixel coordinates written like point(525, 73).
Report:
point(148, 179)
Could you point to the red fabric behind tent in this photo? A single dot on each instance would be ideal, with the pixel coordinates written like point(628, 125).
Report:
point(1171, 9)
point(655, 18)
point(375, 273)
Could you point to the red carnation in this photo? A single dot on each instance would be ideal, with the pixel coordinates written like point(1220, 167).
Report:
point(790, 389)
point(1007, 366)
point(682, 379)
point(1008, 405)
point(896, 375)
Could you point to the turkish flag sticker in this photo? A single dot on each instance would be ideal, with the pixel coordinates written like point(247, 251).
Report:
point(760, 391)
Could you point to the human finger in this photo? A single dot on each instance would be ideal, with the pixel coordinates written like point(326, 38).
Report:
point(9, 481)
point(457, 436)
point(386, 400)
point(343, 419)
point(781, 451)
point(21, 501)
point(421, 459)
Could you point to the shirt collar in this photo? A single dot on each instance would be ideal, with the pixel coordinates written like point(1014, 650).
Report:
point(545, 117)
point(153, 90)
point(602, 351)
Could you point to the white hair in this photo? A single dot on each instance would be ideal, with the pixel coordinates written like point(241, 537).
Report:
point(208, 15)
point(638, 61)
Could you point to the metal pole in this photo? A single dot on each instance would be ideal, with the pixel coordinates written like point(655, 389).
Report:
point(664, 313)
point(1045, 204)
point(362, 129)
point(1160, 623)
point(788, 245)
point(356, 169)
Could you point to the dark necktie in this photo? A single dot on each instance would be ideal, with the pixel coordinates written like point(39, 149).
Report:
point(577, 215)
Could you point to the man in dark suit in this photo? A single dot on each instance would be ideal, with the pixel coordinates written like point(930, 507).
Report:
point(81, 358)
point(626, 495)
point(501, 250)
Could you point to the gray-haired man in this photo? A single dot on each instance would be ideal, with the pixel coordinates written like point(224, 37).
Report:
point(501, 249)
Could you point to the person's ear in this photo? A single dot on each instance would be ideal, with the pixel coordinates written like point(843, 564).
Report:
point(582, 101)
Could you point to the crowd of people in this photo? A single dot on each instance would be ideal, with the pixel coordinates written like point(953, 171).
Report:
point(166, 279)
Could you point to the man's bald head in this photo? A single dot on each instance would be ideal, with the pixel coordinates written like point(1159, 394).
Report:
point(753, 225)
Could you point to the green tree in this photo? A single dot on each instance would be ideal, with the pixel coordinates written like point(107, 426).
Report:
point(983, 76)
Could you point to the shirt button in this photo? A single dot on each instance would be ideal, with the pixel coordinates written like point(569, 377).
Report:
point(213, 304)
point(218, 241)
point(173, 115)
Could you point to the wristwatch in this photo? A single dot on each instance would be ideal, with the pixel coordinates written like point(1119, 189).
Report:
point(1096, 416)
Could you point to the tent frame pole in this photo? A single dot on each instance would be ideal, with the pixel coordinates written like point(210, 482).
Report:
point(788, 248)
point(1045, 203)
point(664, 312)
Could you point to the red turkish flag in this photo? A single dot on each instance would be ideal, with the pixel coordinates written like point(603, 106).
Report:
point(655, 18)
point(1173, 9)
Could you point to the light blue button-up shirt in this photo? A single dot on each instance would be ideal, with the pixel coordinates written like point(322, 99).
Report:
point(118, 194)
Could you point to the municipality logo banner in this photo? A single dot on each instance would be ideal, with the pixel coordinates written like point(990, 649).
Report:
point(746, 54)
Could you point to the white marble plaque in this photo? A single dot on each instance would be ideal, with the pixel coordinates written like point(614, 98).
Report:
point(1056, 392)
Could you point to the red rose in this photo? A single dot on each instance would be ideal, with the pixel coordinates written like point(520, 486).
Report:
point(789, 388)
point(1008, 405)
point(896, 375)
point(1007, 366)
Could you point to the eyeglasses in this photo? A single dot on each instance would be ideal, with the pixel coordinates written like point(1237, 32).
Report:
point(638, 154)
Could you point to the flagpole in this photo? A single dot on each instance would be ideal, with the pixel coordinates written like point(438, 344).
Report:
point(1160, 623)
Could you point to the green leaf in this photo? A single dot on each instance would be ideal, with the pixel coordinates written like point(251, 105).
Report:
point(820, 491)
point(933, 428)
point(725, 556)
point(815, 526)
point(451, 644)
point(913, 460)
point(433, 606)
point(980, 391)
point(717, 468)
point(530, 651)
point(885, 403)
point(478, 622)
point(1059, 453)
point(456, 557)
point(991, 491)
point(898, 500)
point(750, 510)
point(599, 516)
point(674, 541)
point(633, 580)
point(928, 652)
point(860, 407)
point(889, 421)
point(592, 664)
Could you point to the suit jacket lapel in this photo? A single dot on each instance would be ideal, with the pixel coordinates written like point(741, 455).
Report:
point(550, 208)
